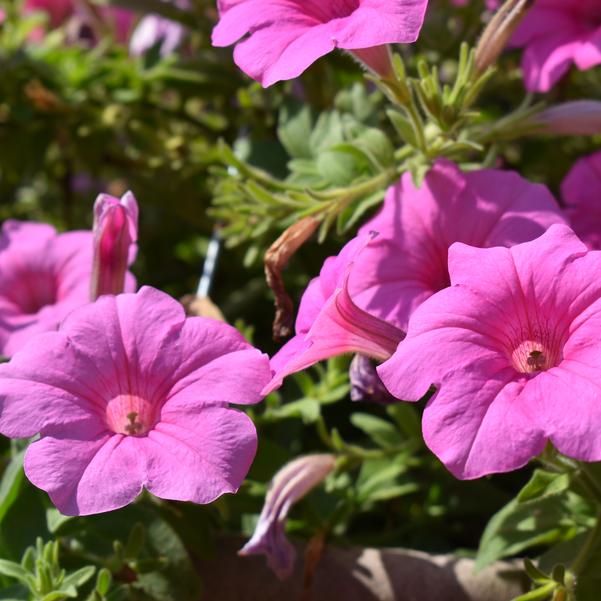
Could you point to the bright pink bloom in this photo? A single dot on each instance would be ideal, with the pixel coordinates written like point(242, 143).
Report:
point(581, 191)
point(115, 235)
point(557, 34)
point(43, 277)
point(514, 351)
point(393, 273)
point(288, 486)
point(129, 394)
point(286, 36)
point(58, 11)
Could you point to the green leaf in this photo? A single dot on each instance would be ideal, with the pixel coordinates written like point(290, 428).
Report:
point(544, 484)
point(306, 409)
point(519, 526)
point(539, 594)
point(295, 124)
point(383, 433)
point(11, 482)
point(103, 581)
point(81, 576)
point(14, 570)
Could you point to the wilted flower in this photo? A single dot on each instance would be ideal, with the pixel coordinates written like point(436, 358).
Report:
point(129, 394)
point(581, 191)
point(115, 235)
point(362, 299)
point(557, 34)
point(288, 486)
point(366, 384)
point(43, 277)
point(514, 352)
point(285, 37)
point(155, 29)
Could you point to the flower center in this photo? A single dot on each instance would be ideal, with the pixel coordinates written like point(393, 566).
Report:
point(130, 415)
point(327, 11)
point(532, 356)
point(32, 291)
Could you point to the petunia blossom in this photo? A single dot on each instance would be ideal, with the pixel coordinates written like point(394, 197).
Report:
point(391, 274)
point(581, 191)
point(43, 276)
point(557, 34)
point(289, 485)
point(513, 350)
point(286, 36)
point(129, 394)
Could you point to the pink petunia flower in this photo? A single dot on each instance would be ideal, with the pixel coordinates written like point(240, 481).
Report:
point(390, 275)
point(581, 191)
point(514, 352)
point(131, 394)
point(115, 236)
point(286, 36)
point(295, 480)
point(43, 277)
point(557, 34)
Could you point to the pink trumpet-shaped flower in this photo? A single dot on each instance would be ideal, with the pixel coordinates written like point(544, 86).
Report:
point(286, 36)
point(115, 235)
point(43, 277)
point(288, 486)
point(581, 191)
point(131, 394)
point(557, 34)
point(375, 283)
point(514, 352)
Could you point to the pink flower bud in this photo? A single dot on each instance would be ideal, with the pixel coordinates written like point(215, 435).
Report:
point(576, 118)
point(288, 486)
point(115, 235)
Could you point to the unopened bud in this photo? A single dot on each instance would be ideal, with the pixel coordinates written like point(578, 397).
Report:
point(498, 32)
point(115, 234)
point(576, 118)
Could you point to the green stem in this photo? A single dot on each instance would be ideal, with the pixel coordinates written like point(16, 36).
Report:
point(591, 542)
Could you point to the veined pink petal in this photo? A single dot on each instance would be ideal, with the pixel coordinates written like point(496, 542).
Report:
point(285, 37)
point(503, 345)
point(129, 394)
point(381, 280)
point(556, 35)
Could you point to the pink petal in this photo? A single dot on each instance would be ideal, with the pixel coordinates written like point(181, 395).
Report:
point(199, 455)
point(86, 470)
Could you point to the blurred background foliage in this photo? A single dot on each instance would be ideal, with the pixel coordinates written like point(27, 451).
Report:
point(187, 133)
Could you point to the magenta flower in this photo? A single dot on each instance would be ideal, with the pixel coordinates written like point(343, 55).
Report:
point(288, 486)
point(115, 235)
point(129, 394)
point(286, 36)
point(390, 275)
point(557, 34)
point(514, 352)
point(43, 277)
point(581, 194)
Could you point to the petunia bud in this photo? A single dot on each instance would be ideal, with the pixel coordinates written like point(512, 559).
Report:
point(365, 382)
point(115, 235)
point(288, 486)
point(499, 31)
point(576, 118)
